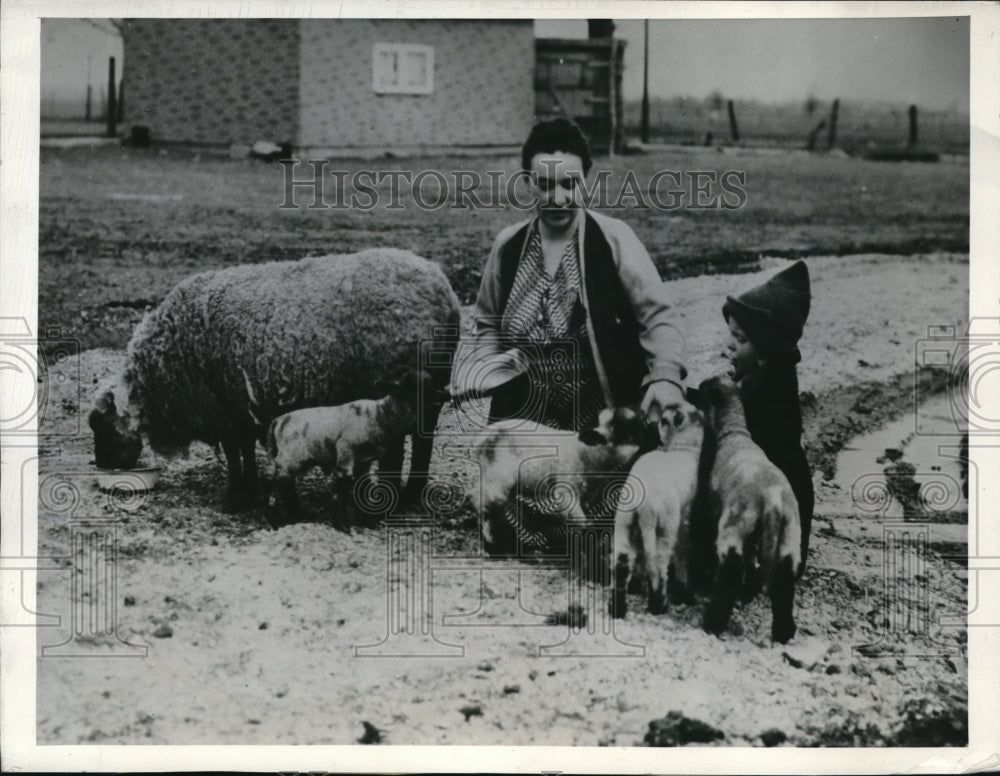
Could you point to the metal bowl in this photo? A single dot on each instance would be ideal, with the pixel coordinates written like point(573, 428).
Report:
point(128, 480)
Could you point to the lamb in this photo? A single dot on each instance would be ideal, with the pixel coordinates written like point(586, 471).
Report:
point(757, 515)
point(653, 525)
point(530, 485)
point(343, 440)
point(317, 332)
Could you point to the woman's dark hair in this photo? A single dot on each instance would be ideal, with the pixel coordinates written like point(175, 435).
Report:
point(548, 137)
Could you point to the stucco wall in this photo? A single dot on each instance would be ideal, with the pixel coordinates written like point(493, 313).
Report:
point(483, 84)
point(213, 80)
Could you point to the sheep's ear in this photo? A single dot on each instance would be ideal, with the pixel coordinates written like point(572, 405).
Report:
point(592, 436)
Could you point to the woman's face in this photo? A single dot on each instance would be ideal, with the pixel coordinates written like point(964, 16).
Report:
point(556, 178)
point(741, 352)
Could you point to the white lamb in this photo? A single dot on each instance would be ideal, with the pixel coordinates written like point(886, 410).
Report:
point(653, 518)
point(343, 440)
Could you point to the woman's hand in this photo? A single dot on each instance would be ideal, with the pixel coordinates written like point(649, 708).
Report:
point(478, 378)
point(661, 396)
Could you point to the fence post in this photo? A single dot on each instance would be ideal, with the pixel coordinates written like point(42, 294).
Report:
point(733, 129)
point(913, 126)
point(831, 139)
point(112, 109)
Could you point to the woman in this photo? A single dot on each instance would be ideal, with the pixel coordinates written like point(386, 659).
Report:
point(571, 315)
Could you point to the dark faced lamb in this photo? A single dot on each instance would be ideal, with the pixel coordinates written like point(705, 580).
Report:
point(316, 332)
point(756, 513)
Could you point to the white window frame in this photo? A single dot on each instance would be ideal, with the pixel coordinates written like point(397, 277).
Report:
point(404, 84)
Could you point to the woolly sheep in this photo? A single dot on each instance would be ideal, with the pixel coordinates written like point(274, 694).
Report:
point(315, 332)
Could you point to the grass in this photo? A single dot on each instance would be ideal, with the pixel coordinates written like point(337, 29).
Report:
point(120, 226)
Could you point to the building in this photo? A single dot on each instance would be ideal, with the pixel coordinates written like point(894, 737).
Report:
point(332, 85)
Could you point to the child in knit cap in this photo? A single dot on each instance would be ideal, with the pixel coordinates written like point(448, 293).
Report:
point(765, 324)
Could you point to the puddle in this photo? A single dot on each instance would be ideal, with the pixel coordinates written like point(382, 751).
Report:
point(925, 469)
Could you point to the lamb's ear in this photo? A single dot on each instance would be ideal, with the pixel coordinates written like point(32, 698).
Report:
point(693, 396)
point(592, 436)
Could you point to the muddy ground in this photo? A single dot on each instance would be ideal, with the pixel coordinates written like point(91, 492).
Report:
point(252, 635)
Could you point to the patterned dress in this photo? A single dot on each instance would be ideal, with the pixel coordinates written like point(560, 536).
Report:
point(545, 318)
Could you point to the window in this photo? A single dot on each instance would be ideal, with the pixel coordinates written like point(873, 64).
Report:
point(402, 68)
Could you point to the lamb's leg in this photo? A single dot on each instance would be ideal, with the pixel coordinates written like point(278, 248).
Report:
point(341, 488)
point(625, 555)
point(288, 511)
point(727, 582)
point(658, 551)
point(781, 587)
point(499, 538)
point(420, 460)
point(678, 581)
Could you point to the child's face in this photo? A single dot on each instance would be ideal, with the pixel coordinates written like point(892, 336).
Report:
point(741, 351)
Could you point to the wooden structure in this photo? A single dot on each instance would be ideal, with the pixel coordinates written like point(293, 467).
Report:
point(582, 80)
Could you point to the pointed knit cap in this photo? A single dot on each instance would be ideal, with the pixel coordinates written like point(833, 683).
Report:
point(774, 313)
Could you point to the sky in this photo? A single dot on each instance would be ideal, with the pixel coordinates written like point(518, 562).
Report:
point(912, 60)
point(75, 51)
point(908, 60)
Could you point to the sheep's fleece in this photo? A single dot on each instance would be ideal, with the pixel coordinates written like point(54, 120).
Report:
point(320, 331)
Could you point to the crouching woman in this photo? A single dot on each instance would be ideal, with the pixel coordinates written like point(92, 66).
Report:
point(571, 317)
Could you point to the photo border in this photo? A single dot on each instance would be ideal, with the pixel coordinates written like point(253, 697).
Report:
point(19, 152)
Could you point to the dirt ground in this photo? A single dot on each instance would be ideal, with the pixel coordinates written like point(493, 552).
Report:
point(253, 635)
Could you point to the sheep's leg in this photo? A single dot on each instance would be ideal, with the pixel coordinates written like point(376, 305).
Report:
point(727, 581)
point(237, 497)
point(390, 468)
point(751, 578)
point(781, 587)
point(420, 459)
point(250, 480)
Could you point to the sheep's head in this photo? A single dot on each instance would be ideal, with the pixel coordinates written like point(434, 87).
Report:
point(683, 427)
point(620, 426)
point(719, 396)
point(116, 444)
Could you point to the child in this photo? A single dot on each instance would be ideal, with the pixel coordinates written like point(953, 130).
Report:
point(765, 324)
